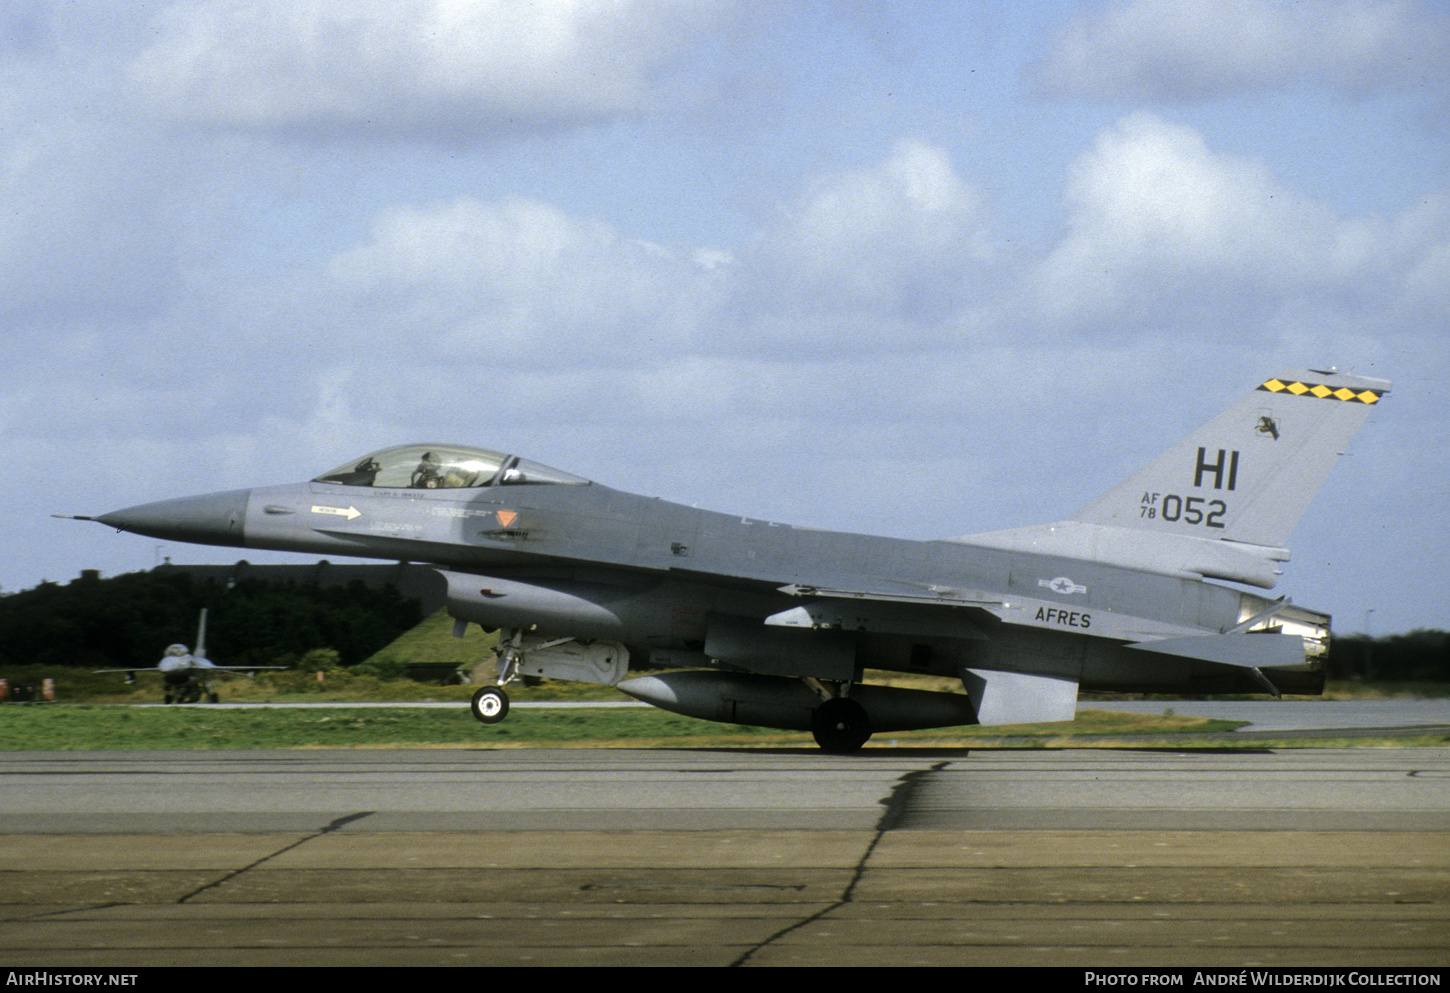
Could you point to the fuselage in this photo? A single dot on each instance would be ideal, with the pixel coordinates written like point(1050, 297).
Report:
point(772, 624)
point(582, 560)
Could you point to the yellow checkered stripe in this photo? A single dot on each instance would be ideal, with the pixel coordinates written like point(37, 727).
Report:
point(1322, 391)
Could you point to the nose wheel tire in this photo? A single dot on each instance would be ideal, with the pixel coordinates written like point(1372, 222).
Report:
point(840, 725)
point(490, 705)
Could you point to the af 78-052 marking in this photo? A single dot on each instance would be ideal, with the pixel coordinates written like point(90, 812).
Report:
point(751, 622)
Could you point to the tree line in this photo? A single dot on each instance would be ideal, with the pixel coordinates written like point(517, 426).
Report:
point(1422, 655)
point(127, 621)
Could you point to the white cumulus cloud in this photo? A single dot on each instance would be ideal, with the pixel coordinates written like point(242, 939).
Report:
point(1186, 49)
point(388, 65)
point(902, 235)
point(1157, 216)
point(503, 279)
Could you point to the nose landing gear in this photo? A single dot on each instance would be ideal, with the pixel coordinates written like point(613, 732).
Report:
point(490, 704)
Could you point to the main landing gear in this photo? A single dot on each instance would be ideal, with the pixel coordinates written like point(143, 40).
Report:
point(840, 725)
point(190, 691)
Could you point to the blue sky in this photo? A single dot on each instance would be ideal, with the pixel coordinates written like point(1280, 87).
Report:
point(917, 269)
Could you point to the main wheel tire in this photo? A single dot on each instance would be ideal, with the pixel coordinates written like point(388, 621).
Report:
point(840, 725)
point(490, 705)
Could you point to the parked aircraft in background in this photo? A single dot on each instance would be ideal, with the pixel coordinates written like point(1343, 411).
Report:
point(186, 677)
point(767, 624)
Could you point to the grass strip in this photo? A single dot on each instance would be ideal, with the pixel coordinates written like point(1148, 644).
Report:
point(43, 727)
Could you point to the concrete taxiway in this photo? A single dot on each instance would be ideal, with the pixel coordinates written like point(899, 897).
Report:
point(746, 857)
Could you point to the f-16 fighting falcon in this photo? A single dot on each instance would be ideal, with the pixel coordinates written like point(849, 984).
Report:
point(1150, 588)
point(187, 677)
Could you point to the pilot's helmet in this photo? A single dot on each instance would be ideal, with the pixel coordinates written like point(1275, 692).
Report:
point(175, 649)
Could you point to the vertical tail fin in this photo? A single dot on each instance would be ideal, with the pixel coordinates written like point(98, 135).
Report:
point(200, 650)
point(1247, 475)
point(1220, 503)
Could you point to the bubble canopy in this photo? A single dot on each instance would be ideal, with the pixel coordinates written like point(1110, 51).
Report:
point(438, 467)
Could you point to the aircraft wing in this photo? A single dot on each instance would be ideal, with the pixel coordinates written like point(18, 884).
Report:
point(930, 611)
point(199, 668)
point(970, 614)
point(242, 668)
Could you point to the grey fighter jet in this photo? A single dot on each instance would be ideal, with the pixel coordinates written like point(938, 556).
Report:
point(187, 676)
point(1149, 588)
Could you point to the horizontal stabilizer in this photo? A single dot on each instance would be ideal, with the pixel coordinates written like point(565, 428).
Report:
point(1247, 651)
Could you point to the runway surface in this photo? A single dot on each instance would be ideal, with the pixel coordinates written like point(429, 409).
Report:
point(1085, 858)
point(1297, 715)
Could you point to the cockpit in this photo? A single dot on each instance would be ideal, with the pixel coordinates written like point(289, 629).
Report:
point(432, 467)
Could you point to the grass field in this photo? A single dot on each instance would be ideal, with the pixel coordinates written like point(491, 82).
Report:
point(88, 718)
point(50, 727)
point(44, 727)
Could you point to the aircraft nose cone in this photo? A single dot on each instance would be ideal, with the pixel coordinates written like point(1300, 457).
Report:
point(213, 519)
